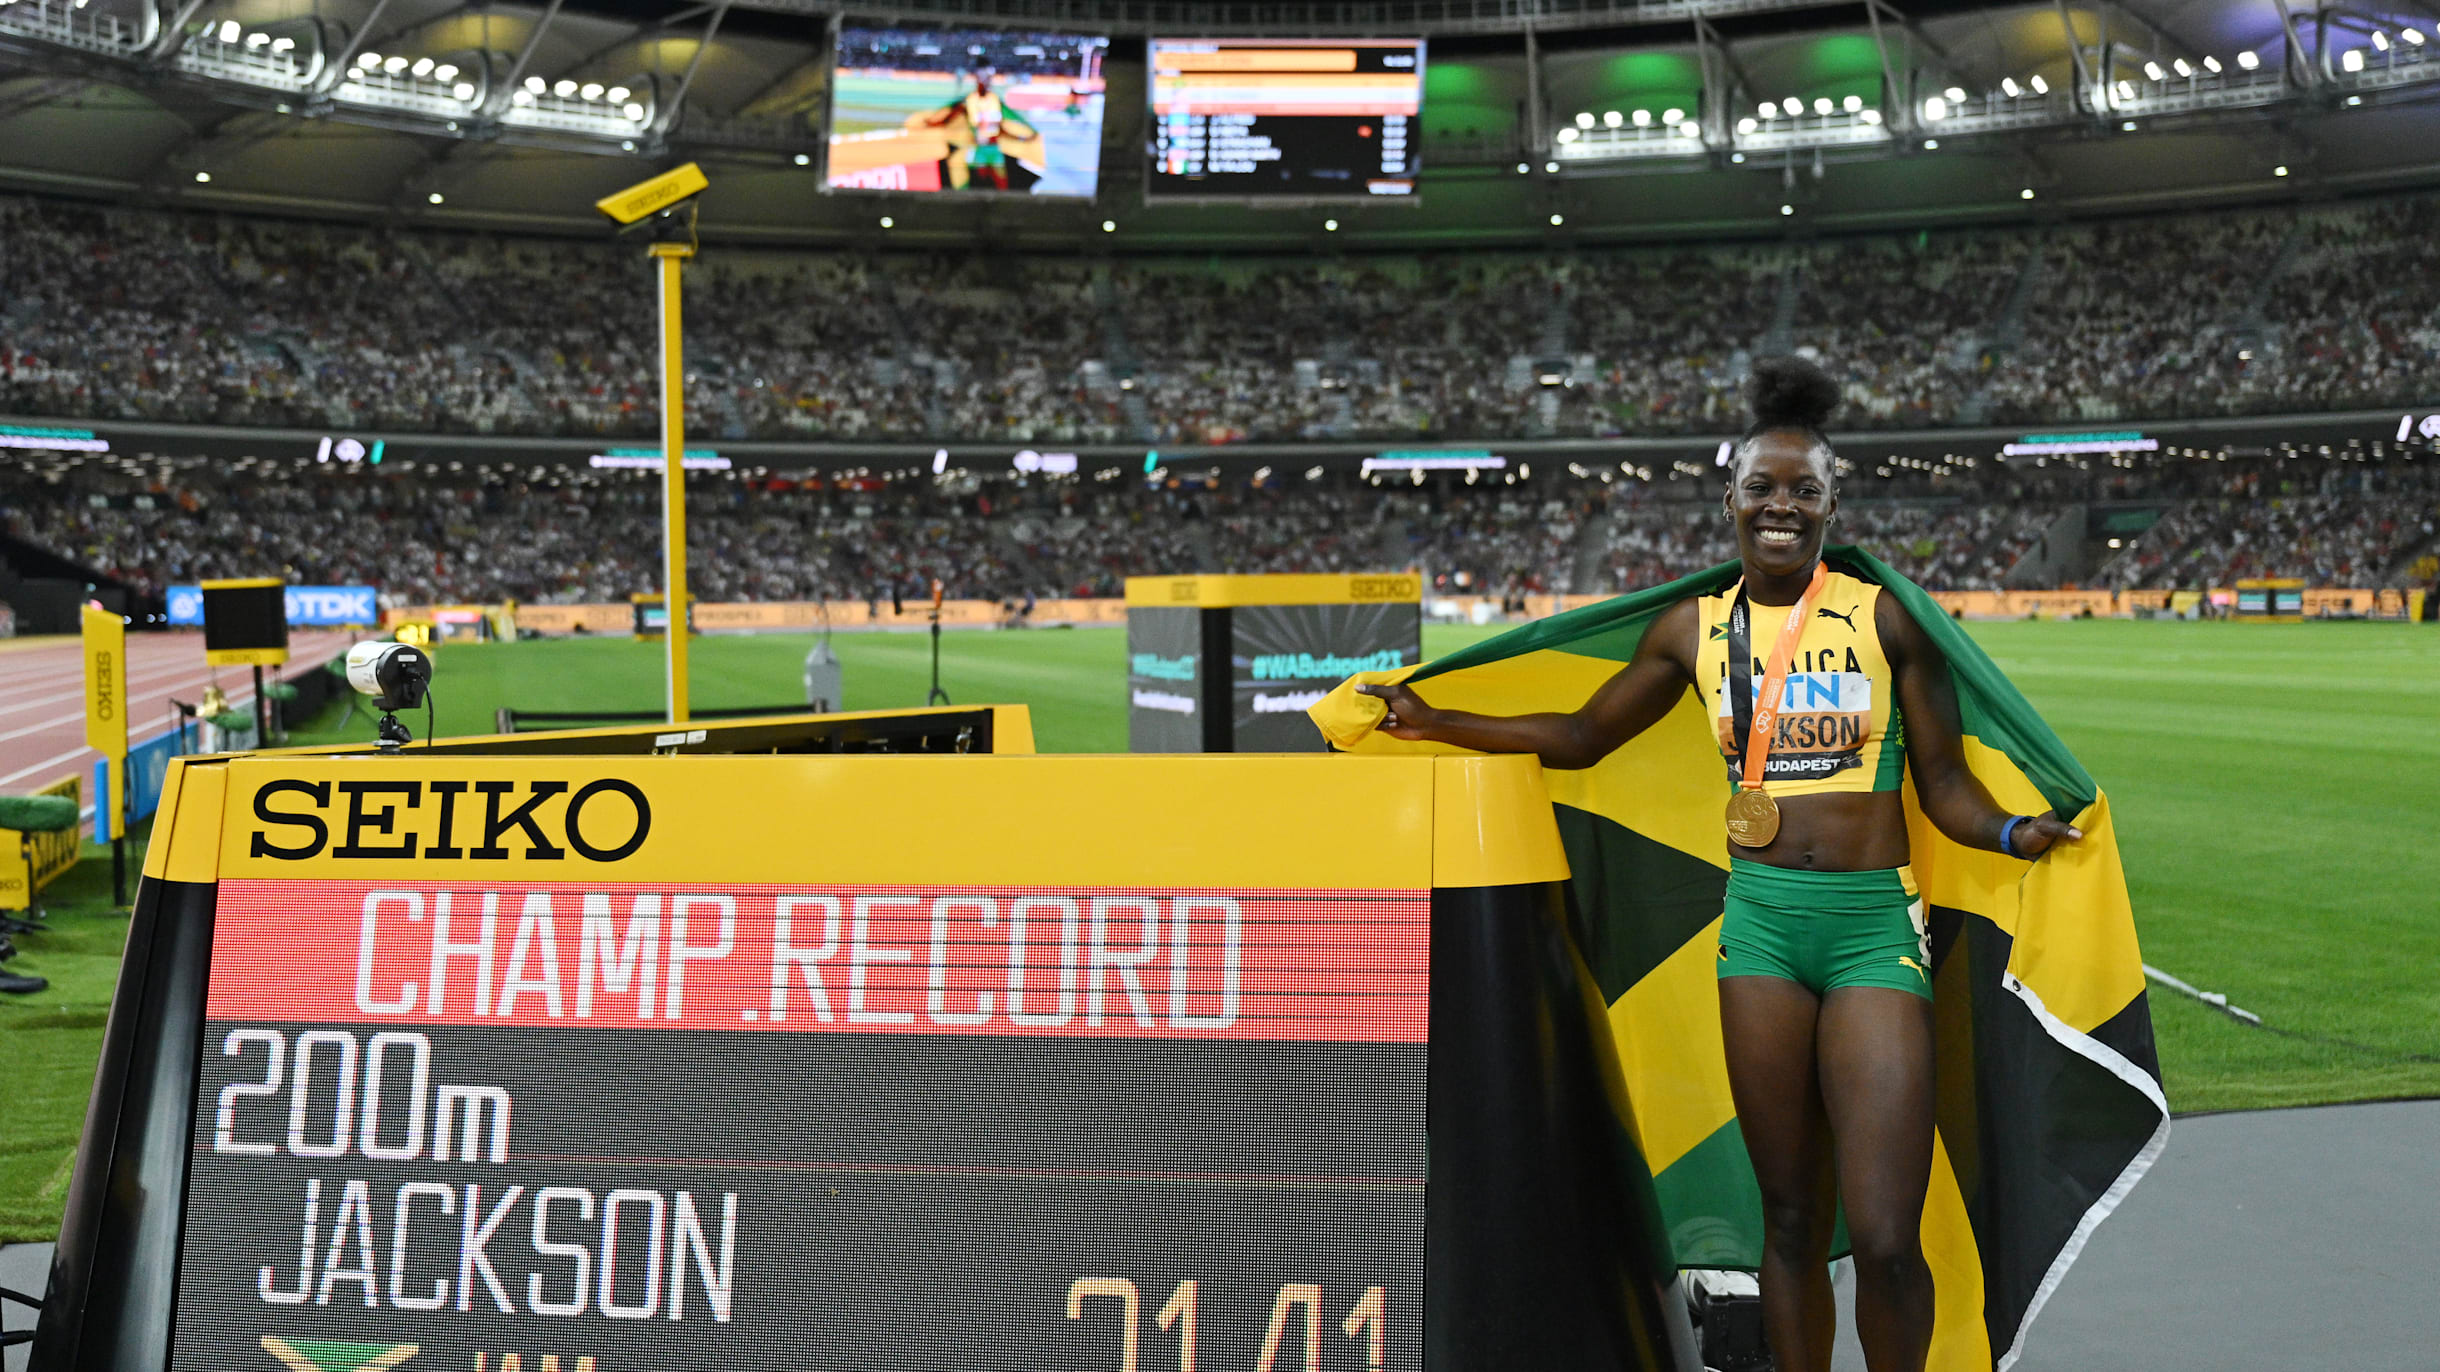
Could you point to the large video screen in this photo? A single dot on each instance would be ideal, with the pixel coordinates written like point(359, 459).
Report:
point(1313, 118)
point(980, 112)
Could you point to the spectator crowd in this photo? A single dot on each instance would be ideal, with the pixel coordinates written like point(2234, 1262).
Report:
point(472, 533)
point(126, 313)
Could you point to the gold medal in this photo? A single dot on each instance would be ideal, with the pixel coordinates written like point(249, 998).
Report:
point(1753, 819)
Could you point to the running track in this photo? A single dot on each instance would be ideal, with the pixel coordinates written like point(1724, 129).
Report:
point(42, 696)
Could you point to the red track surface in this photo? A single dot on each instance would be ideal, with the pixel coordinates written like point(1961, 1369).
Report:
point(42, 696)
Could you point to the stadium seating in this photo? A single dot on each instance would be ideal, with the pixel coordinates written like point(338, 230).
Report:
point(128, 313)
point(430, 534)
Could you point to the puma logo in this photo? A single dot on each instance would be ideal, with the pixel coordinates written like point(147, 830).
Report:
point(1917, 966)
point(1827, 613)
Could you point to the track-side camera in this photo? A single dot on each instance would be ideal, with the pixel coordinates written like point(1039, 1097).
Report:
point(396, 676)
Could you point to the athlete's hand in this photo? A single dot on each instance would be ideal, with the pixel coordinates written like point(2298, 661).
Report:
point(1408, 718)
point(2035, 836)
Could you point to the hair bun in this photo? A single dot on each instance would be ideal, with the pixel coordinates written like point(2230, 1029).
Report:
point(1790, 393)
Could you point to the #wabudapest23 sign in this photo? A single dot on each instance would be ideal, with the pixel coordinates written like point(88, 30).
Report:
point(308, 606)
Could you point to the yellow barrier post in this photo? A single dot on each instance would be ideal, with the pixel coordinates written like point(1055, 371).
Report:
point(673, 257)
point(105, 635)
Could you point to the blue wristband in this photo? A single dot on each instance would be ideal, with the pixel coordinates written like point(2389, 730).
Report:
point(2007, 834)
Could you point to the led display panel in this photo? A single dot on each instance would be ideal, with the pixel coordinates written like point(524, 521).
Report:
point(1322, 118)
point(975, 112)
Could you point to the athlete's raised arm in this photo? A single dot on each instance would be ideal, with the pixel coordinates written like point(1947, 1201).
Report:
point(1626, 705)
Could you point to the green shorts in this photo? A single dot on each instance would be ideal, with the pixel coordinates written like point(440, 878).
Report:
point(1824, 930)
point(986, 155)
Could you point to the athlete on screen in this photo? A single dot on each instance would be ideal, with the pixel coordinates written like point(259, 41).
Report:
point(979, 120)
point(1823, 693)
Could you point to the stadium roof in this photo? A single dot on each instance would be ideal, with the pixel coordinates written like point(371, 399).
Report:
point(237, 104)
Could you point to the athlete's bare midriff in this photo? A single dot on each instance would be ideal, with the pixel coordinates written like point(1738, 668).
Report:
point(1852, 831)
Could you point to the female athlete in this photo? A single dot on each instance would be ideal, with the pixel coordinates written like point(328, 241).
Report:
point(1822, 692)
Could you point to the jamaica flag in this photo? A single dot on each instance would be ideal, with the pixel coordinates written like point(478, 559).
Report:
point(2049, 1099)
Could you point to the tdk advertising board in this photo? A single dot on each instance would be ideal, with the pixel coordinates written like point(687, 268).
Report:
point(308, 606)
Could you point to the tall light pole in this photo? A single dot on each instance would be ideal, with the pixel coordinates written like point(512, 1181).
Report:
point(666, 205)
point(672, 257)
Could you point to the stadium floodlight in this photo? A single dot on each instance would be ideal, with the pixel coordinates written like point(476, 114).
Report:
point(463, 90)
point(1935, 109)
point(1747, 124)
point(1551, 168)
point(2183, 70)
point(2414, 36)
point(1769, 109)
point(434, 198)
point(2025, 194)
point(1691, 129)
point(666, 191)
point(1330, 226)
point(1522, 169)
point(2127, 127)
point(1611, 119)
point(1557, 219)
point(2380, 40)
point(1871, 117)
point(1821, 105)
point(1584, 119)
point(423, 66)
point(804, 159)
point(888, 223)
point(1852, 103)
point(1787, 209)
point(522, 99)
point(1672, 115)
point(368, 59)
point(1566, 135)
point(230, 31)
point(1955, 94)
point(2152, 69)
point(1111, 225)
point(257, 38)
point(2249, 60)
point(536, 85)
point(2040, 86)
point(1931, 145)
point(2354, 100)
point(283, 44)
point(2352, 60)
point(591, 90)
point(1737, 157)
point(395, 65)
point(2126, 90)
point(1643, 119)
point(2009, 87)
point(563, 88)
point(2278, 171)
point(203, 178)
point(2212, 65)
point(445, 72)
point(633, 111)
point(618, 95)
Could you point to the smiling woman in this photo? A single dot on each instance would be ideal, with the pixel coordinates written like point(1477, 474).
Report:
point(1822, 694)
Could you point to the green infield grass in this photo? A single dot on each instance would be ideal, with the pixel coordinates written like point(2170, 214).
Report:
point(2272, 786)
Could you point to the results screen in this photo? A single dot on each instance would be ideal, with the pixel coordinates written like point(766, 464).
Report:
point(703, 1127)
point(1246, 117)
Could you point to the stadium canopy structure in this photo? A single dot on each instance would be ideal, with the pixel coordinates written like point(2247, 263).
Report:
point(1544, 120)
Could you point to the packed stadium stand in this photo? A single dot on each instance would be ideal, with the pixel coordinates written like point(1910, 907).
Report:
point(429, 533)
point(123, 313)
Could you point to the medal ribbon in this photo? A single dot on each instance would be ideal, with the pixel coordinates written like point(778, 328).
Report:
point(1764, 710)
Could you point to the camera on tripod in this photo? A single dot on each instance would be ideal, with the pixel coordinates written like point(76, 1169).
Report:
point(396, 676)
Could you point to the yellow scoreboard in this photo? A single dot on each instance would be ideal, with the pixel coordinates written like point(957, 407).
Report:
point(700, 1063)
